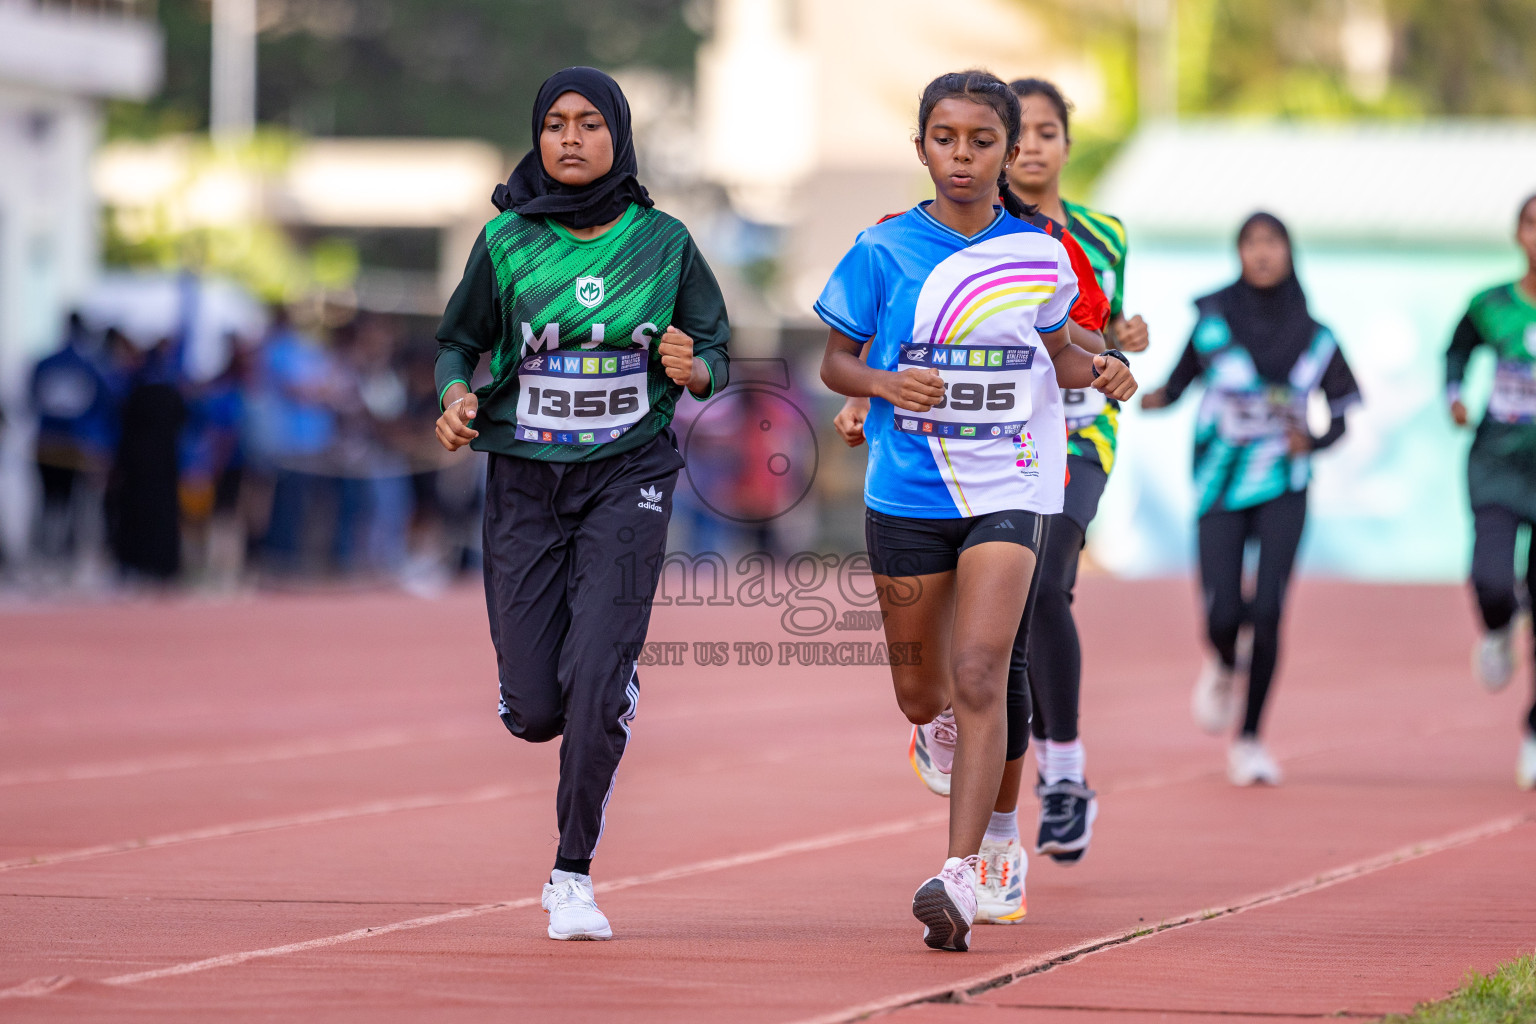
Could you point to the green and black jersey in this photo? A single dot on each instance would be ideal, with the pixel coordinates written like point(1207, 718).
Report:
point(571, 327)
point(1501, 467)
point(1094, 421)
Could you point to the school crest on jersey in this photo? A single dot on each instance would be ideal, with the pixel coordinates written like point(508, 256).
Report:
point(589, 291)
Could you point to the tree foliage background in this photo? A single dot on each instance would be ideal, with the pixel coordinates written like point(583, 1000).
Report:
point(470, 67)
point(1300, 58)
point(411, 67)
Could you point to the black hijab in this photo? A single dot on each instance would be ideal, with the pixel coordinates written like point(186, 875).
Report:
point(532, 192)
point(1273, 324)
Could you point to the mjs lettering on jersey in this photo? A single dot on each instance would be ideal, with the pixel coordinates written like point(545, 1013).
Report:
point(548, 337)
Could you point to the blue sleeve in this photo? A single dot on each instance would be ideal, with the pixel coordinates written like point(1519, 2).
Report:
point(851, 301)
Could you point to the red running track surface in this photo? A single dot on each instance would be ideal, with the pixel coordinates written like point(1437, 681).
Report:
point(305, 808)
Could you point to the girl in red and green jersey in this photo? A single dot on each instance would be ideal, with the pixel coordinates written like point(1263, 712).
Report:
point(1067, 806)
point(1501, 466)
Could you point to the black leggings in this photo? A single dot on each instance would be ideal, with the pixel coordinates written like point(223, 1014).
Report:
point(1276, 525)
point(1055, 655)
point(1494, 531)
point(1020, 703)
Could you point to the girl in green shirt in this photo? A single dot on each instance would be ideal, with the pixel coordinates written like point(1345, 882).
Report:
point(597, 312)
point(1501, 466)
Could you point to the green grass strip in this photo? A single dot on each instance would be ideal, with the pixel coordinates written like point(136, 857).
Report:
point(1507, 996)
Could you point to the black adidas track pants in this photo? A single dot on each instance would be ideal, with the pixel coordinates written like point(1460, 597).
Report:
point(571, 556)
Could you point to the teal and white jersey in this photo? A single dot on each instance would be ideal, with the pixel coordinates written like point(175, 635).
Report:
point(1242, 429)
point(973, 309)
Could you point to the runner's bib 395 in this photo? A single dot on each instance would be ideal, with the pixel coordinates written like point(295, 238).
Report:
point(986, 390)
point(581, 397)
point(1514, 392)
point(1248, 416)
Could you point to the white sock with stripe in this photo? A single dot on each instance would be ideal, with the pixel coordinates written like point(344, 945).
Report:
point(1003, 826)
point(1060, 762)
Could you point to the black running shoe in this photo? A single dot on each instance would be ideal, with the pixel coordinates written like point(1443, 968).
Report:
point(1067, 810)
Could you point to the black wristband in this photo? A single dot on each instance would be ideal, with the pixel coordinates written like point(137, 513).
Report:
point(1112, 353)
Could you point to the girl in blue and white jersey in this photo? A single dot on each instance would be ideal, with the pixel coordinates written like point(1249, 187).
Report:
point(964, 304)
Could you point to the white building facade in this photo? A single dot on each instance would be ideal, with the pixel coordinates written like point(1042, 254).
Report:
point(58, 62)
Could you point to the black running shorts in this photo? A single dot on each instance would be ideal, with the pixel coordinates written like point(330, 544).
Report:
point(900, 546)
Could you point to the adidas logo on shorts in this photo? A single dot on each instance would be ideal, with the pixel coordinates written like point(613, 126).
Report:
point(649, 497)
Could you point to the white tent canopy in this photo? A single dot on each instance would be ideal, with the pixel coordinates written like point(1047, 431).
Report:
point(1447, 182)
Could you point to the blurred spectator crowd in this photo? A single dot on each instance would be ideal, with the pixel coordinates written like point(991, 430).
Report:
point(309, 458)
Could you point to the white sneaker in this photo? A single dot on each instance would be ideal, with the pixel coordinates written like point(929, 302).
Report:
point(572, 910)
point(1525, 770)
point(1493, 658)
point(932, 752)
point(1248, 762)
point(946, 904)
point(1000, 871)
point(1213, 703)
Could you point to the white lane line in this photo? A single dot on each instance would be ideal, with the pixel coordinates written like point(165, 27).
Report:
point(1057, 958)
point(811, 845)
point(36, 987)
point(368, 809)
point(291, 750)
point(824, 842)
point(482, 794)
point(318, 746)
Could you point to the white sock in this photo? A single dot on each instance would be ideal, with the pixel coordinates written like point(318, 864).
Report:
point(1060, 762)
point(557, 876)
point(1003, 826)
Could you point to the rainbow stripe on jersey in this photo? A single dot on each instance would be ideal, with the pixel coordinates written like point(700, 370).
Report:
point(990, 292)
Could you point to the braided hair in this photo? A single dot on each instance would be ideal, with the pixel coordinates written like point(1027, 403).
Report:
point(979, 87)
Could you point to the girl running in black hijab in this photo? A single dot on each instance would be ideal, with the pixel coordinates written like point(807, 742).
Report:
point(597, 311)
point(1501, 467)
point(1260, 355)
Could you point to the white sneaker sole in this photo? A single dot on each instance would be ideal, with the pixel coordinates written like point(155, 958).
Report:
point(1001, 914)
point(944, 925)
point(1246, 780)
point(587, 936)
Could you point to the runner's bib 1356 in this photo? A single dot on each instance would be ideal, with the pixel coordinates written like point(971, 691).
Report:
point(581, 397)
point(986, 390)
point(1514, 392)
